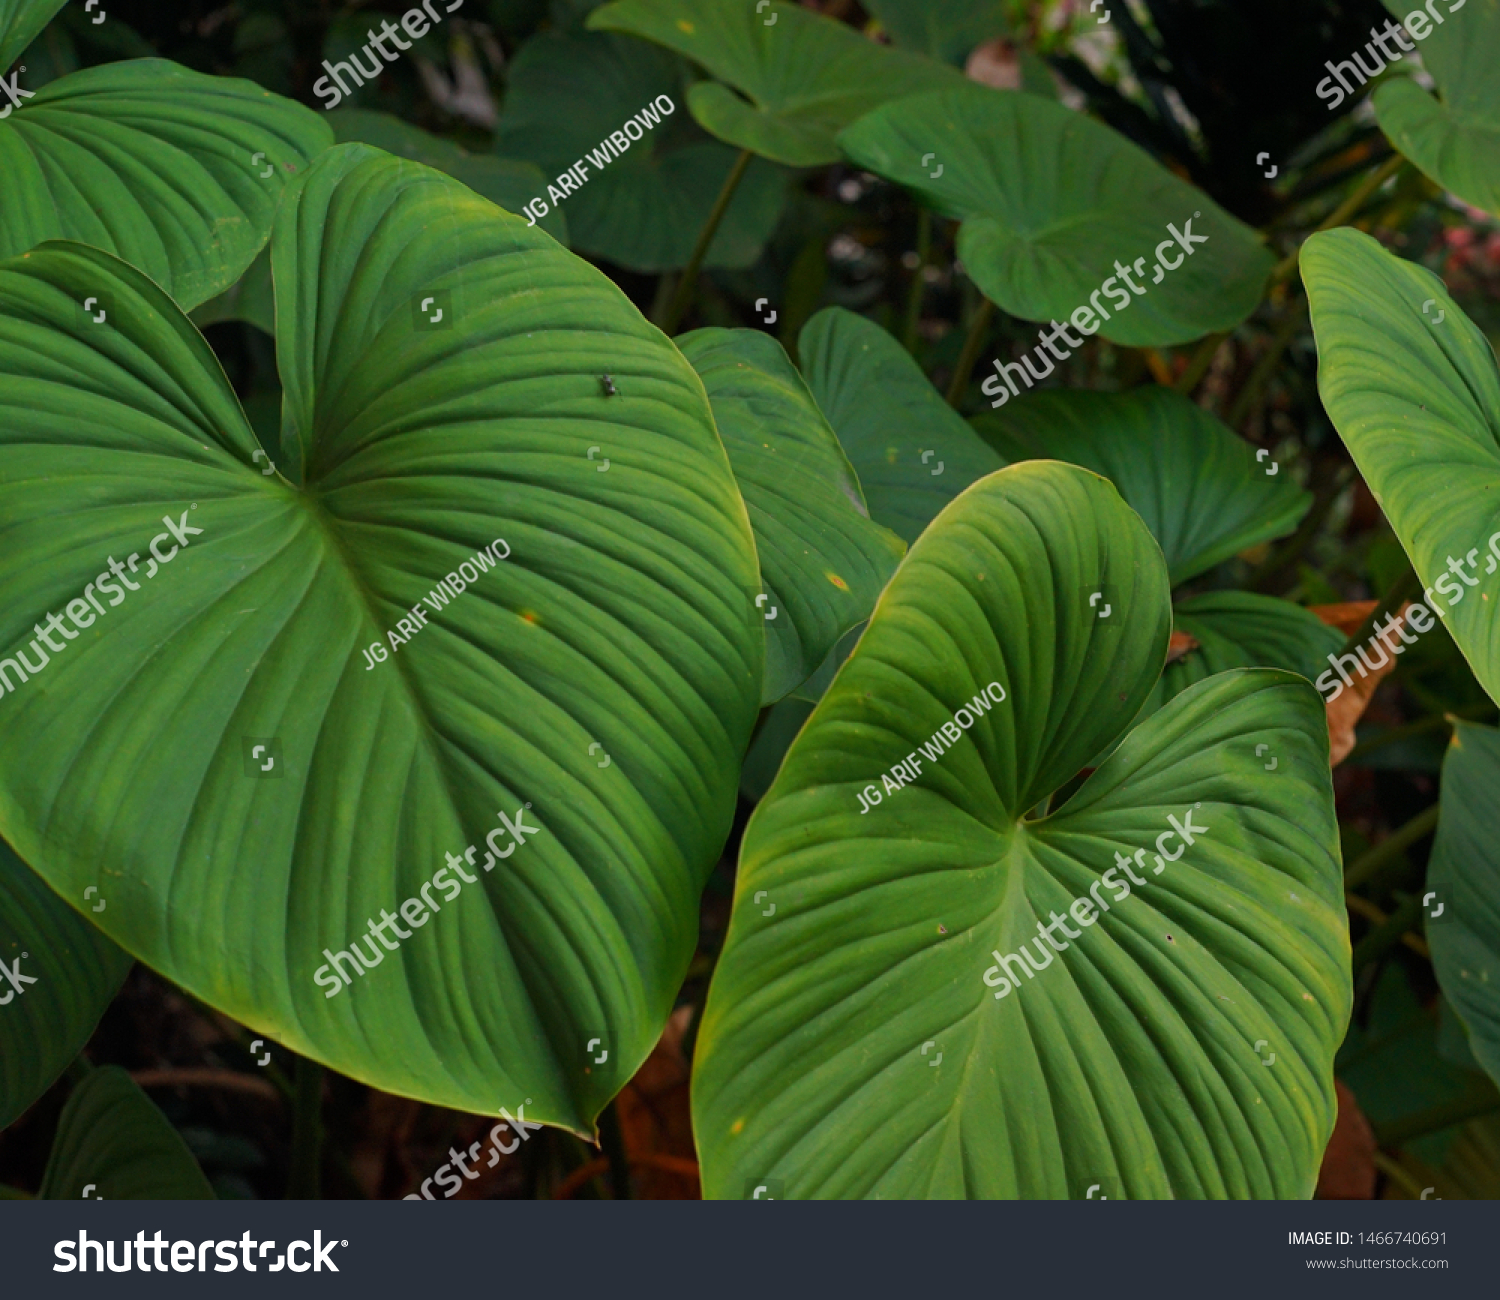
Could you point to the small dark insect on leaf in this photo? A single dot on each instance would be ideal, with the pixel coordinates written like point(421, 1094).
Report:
point(608, 385)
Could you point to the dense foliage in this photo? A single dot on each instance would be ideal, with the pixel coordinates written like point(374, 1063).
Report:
point(887, 601)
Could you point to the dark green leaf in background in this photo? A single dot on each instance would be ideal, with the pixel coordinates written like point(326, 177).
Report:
point(1200, 488)
point(1456, 140)
point(823, 561)
point(806, 76)
point(643, 209)
point(113, 1142)
point(251, 298)
point(1241, 629)
point(913, 453)
point(77, 972)
point(20, 21)
point(944, 29)
point(1054, 204)
point(1464, 877)
point(175, 172)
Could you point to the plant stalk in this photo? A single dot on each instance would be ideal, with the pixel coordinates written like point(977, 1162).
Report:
point(978, 325)
point(1342, 213)
point(1325, 497)
point(1400, 591)
point(1266, 366)
point(1202, 359)
point(1432, 722)
point(686, 286)
point(918, 288)
point(1390, 848)
point(1470, 1106)
point(613, 1142)
point(307, 1132)
point(1398, 1175)
point(1386, 935)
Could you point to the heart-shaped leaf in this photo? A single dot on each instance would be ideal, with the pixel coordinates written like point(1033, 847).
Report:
point(57, 975)
point(246, 781)
point(913, 453)
point(112, 1142)
point(822, 560)
point(1062, 215)
point(1200, 489)
point(508, 183)
point(175, 172)
point(1463, 880)
point(806, 76)
point(20, 21)
point(945, 29)
point(1456, 142)
point(1240, 629)
point(863, 1039)
point(643, 208)
point(1412, 387)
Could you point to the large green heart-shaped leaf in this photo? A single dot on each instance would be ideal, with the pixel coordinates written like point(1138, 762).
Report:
point(806, 76)
point(20, 21)
point(508, 183)
point(244, 781)
point(1240, 629)
point(1464, 874)
point(175, 172)
point(112, 1142)
point(65, 974)
point(913, 453)
point(945, 29)
point(1054, 205)
point(1456, 142)
point(857, 1039)
point(644, 208)
point(1200, 489)
point(823, 560)
point(1412, 387)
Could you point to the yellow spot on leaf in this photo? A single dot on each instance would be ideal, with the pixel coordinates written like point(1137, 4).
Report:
point(685, 26)
point(738, 1125)
point(836, 580)
point(530, 615)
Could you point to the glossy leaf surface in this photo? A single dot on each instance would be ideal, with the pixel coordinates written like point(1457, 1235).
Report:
point(912, 451)
point(1412, 387)
point(806, 76)
point(615, 611)
point(1454, 138)
point(856, 1042)
point(113, 1142)
point(1060, 211)
point(175, 172)
point(1463, 877)
point(1200, 489)
point(823, 561)
point(66, 974)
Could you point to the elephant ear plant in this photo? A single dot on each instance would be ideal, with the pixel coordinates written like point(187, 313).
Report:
point(442, 365)
point(874, 1028)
